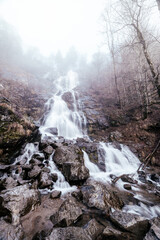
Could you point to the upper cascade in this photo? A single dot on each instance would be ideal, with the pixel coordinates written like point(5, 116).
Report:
point(69, 123)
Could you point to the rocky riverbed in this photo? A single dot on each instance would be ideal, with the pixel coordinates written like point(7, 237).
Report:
point(48, 192)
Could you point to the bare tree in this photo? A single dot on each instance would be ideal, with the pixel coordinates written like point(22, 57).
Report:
point(111, 43)
point(158, 2)
point(132, 16)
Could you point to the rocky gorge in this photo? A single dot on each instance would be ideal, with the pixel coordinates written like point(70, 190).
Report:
point(55, 186)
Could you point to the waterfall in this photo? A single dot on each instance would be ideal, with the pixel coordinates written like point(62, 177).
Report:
point(70, 124)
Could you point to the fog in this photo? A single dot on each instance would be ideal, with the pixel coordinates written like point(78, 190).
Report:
point(52, 25)
point(114, 46)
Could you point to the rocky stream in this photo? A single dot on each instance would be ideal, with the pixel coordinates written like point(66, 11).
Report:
point(69, 182)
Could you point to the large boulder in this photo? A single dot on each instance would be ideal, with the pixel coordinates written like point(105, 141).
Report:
point(88, 232)
point(69, 160)
point(154, 232)
point(90, 148)
point(69, 233)
point(68, 213)
point(17, 202)
point(45, 180)
point(100, 196)
point(10, 232)
point(130, 222)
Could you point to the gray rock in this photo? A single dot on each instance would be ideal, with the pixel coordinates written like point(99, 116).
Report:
point(109, 231)
point(48, 151)
point(69, 160)
point(68, 213)
point(54, 177)
point(88, 232)
point(154, 232)
point(18, 201)
point(126, 178)
point(53, 131)
point(130, 222)
point(96, 194)
point(55, 194)
point(9, 183)
point(10, 232)
point(69, 233)
point(93, 229)
point(38, 156)
point(34, 172)
point(45, 180)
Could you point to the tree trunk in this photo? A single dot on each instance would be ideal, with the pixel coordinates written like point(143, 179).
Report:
point(158, 2)
point(155, 76)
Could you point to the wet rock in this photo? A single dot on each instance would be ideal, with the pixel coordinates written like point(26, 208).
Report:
point(69, 233)
point(45, 180)
point(96, 194)
point(55, 194)
point(112, 233)
point(90, 148)
point(68, 98)
point(154, 232)
point(155, 177)
point(88, 232)
point(54, 177)
point(48, 151)
point(17, 202)
point(93, 229)
point(38, 156)
point(68, 213)
point(130, 222)
point(8, 183)
point(35, 161)
point(10, 232)
point(34, 172)
point(53, 131)
point(126, 178)
point(127, 186)
point(70, 161)
point(47, 229)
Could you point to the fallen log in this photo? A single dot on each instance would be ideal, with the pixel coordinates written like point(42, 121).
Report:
point(148, 158)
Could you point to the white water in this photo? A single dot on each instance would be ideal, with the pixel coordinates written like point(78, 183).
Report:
point(71, 124)
point(61, 184)
point(68, 123)
point(29, 150)
point(118, 162)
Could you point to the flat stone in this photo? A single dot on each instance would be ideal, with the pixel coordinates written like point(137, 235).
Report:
point(68, 213)
point(130, 222)
point(69, 233)
point(55, 194)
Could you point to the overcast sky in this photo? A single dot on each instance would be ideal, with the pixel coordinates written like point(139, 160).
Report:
point(56, 24)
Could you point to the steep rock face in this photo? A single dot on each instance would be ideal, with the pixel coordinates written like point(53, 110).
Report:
point(19, 106)
point(107, 122)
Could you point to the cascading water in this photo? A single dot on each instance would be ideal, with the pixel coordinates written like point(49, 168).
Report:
point(71, 124)
point(68, 123)
point(119, 162)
